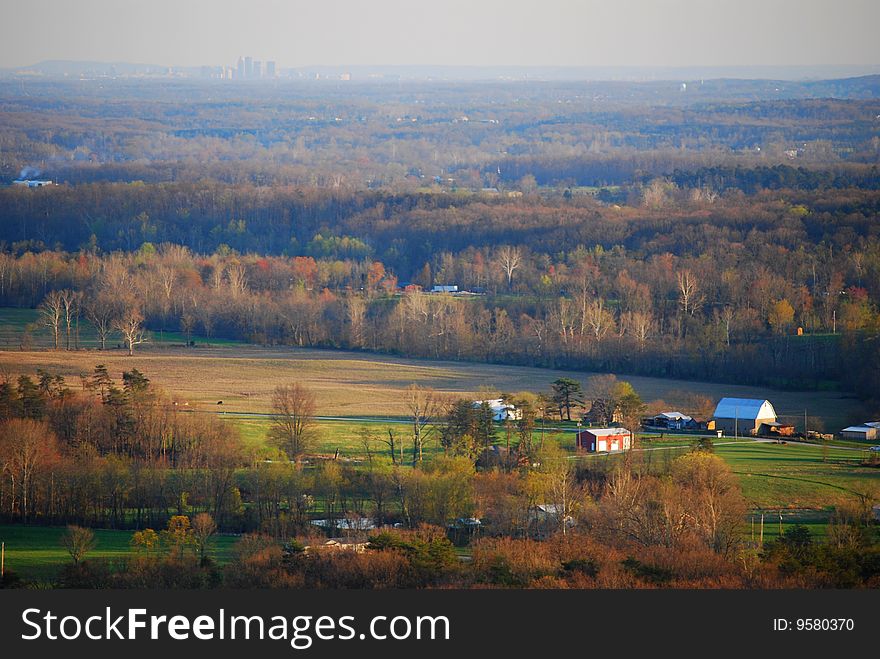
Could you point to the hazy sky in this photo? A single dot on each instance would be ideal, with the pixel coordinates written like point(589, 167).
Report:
point(450, 32)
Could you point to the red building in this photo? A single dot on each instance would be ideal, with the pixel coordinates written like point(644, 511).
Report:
point(602, 440)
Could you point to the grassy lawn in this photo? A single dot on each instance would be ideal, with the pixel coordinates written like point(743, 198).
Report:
point(332, 435)
point(35, 552)
point(795, 476)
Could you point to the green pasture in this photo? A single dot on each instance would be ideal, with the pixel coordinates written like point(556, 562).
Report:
point(35, 553)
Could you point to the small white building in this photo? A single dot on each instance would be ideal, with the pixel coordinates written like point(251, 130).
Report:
point(865, 432)
point(501, 411)
point(444, 288)
point(743, 416)
point(32, 183)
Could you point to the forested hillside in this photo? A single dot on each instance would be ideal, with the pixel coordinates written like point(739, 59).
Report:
point(723, 232)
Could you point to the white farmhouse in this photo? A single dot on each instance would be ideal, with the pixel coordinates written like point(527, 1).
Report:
point(501, 411)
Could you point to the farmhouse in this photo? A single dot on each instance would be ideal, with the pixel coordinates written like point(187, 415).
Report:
point(670, 421)
point(552, 513)
point(744, 416)
point(501, 411)
point(867, 432)
point(601, 440)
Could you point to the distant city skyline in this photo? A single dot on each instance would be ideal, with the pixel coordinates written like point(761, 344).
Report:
point(634, 33)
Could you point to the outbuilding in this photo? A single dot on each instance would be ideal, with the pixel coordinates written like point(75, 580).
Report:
point(603, 440)
point(865, 432)
point(743, 416)
point(669, 421)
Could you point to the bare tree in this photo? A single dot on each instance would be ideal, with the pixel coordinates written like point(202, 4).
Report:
point(510, 259)
point(71, 303)
point(357, 310)
point(687, 290)
point(727, 316)
point(293, 424)
point(237, 277)
point(639, 324)
point(101, 311)
point(131, 324)
point(51, 314)
point(25, 447)
point(423, 406)
point(599, 319)
point(78, 541)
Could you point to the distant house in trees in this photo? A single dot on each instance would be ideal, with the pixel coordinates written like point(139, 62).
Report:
point(340, 544)
point(745, 416)
point(444, 288)
point(603, 412)
point(501, 411)
point(604, 440)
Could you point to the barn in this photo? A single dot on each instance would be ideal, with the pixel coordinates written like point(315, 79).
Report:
point(866, 432)
point(602, 440)
point(743, 416)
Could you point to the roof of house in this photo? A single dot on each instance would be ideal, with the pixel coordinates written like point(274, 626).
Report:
point(863, 427)
point(674, 415)
point(605, 432)
point(495, 404)
point(345, 542)
point(744, 408)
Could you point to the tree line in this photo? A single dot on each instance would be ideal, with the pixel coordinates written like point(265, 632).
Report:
point(678, 315)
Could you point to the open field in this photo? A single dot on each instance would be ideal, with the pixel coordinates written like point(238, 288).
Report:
point(795, 476)
point(34, 552)
point(364, 384)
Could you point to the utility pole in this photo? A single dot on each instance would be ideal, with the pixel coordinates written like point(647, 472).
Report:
point(2, 559)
